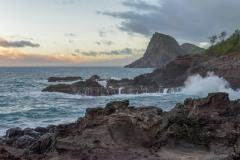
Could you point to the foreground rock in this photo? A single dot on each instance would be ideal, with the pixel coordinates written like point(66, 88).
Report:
point(206, 128)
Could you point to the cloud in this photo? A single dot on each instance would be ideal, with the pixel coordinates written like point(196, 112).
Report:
point(187, 20)
point(16, 57)
point(141, 5)
point(103, 32)
point(204, 44)
point(17, 44)
point(98, 43)
point(125, 52)
point(70, 35)
point(21, 37)
point(77, 51)
point(66, 2)
point(109, 43)
point(91, 53)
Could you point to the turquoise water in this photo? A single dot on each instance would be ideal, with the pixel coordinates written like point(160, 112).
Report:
point(23, 104)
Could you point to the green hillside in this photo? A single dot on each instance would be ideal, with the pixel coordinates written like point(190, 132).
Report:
point(228, 46)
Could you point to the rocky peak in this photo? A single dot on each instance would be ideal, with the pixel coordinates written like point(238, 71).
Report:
point(161, 45)
point(161, 50)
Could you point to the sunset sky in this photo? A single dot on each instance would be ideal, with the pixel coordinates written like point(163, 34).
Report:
point(104, 32)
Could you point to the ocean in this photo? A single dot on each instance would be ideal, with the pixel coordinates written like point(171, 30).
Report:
point(23, 104)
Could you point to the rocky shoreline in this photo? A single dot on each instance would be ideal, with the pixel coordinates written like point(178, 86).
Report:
point(172, 76)
point(205, 128)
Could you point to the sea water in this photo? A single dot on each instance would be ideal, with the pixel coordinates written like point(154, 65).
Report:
point(23, 104)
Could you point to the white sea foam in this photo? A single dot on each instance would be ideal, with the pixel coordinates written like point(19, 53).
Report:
point(115, 78)
point(201, 86)
point(103, 83)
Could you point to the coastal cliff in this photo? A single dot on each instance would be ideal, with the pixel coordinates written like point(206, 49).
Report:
point(206, 128)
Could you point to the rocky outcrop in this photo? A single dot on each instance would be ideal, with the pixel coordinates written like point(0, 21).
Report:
point(161, 50)
point(206, 128)
point(64, 79)
point(172, 76)
point(188, 48)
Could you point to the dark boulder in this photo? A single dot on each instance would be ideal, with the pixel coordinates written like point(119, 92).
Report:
point(94, 78)
point(63, 79)
point(14, 133)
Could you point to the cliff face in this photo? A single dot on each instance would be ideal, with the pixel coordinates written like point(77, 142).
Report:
point(161, 50)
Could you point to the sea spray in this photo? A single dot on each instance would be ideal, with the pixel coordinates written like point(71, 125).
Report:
point(201, 86)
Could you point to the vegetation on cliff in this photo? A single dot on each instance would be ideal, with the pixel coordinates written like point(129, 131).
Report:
point(224, 47)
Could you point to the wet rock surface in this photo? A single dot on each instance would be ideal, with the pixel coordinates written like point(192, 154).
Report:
point(63, 79)
point(206, 128)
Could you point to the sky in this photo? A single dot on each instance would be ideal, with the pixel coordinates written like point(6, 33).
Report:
point(104, 32)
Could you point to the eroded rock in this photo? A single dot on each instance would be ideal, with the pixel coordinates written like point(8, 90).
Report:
point(205, 128)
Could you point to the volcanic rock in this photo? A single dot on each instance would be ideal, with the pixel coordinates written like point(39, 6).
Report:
point(63, 79)
point(205, 128)
point(161, 50)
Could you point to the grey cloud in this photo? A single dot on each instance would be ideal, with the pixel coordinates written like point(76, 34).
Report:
point(92, 54)
point(77, 51)
point(66, 2)
point(17, 44)
point(141, 5)
point(70, 35)
point(187, 20)
point(103, 31)
point(125, 51)
point(98, 43)
point(109, 43)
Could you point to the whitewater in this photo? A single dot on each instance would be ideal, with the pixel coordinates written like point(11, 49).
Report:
point(23, 104)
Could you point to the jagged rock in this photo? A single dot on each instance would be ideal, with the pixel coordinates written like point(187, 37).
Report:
point(23, 142)
point(197, 129)
point(94, 78)
point(31, 132)
point(63, 79)
point(6, 155)
point(14, 133)
point(209, 122)
point(41, 130)
point(161, 50)
point(43, 145)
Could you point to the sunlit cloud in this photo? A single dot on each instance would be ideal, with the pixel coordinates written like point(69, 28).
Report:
point(16, 57)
